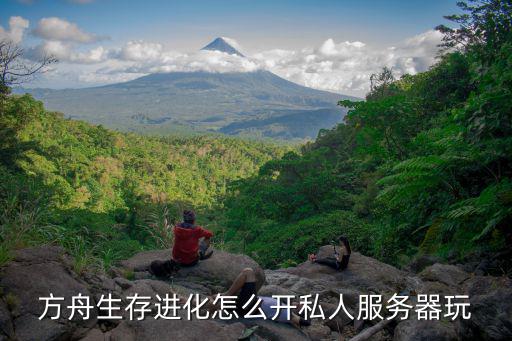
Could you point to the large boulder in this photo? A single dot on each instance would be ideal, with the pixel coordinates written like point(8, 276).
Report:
point(420, 262)
point(216, 272)
point(148, 287)
point(284, 281)
point(414, 330)
point(271, 330)
point(96, 335)
point(151, 329)
point(6, 325)
point(491, 309)
point(34, 273)
point(363, 273)
point(142, 260)
point(450, 275)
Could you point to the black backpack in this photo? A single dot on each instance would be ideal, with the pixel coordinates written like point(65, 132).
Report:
point(163, 269)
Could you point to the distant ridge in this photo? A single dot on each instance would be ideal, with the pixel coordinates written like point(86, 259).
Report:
point(220, 44)
point(257, 103)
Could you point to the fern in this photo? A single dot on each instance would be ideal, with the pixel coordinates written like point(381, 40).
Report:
point(489, 209)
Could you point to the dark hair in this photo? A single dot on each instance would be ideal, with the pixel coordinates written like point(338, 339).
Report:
point(345, 242)
point(189, 216)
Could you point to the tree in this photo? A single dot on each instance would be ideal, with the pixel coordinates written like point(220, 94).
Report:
point(15, 69)
point(380, 84)
point(484, 27)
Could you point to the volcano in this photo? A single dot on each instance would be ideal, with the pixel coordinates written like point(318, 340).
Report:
point(221, 44)
point(256, 104)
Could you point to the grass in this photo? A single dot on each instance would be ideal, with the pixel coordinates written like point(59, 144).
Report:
point(12, 301)
point(128, 274)
point(5, 254)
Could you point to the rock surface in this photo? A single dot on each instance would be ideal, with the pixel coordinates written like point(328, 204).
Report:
point(413, 330)
point(270, 330)
point(39, 271)
point(491, 309)
point(363, 272)
point(219, 270)
point(151, 329)
point(35, 273)
point(450, 275)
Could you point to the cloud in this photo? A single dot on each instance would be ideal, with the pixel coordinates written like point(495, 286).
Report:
point(58, 29)
point(139, 51)
point(345, 67)
point(152, 57)
point(65, 52)
point(342, 67)
point(17, 27)
point(107, 77)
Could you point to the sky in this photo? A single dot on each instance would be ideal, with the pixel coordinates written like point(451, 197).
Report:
point(333, 45)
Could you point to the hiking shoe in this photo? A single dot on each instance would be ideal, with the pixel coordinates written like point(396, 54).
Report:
point(203, 256)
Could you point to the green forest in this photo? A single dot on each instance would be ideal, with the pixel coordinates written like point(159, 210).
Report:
point(106, 195)
point(421, 166)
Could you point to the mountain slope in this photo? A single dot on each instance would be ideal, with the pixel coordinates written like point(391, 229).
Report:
point(199, 101)
point(286, 124)
point(246, 103)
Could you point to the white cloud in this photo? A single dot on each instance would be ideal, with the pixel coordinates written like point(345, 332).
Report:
point(345, 67)
point(17, 27)
point(62, 30)
point(152, 57)
point(65, 52)
point(139, 51)
point(105, 78)
point(342, 67)
point(330, 48)
point(62, 40)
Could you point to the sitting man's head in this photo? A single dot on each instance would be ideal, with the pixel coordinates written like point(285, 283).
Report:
point(189, 216)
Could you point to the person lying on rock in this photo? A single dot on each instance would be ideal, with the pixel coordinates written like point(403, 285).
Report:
point(244, 287)
point(191, 241)
point(336, 262)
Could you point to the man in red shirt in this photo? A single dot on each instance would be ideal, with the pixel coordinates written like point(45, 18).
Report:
point(190, 241)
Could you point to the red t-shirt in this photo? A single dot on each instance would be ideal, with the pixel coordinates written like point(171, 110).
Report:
point(186, 243)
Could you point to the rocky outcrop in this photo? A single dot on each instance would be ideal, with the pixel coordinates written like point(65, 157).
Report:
point(364, 273)
point(420, 262)
point(270, 330)
point(37, 272)
point(151, 329)
point(211, 274)
point(449, 275)
point(41, 271)
point(491, 309)
point(6, 325)
point(413, 330)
